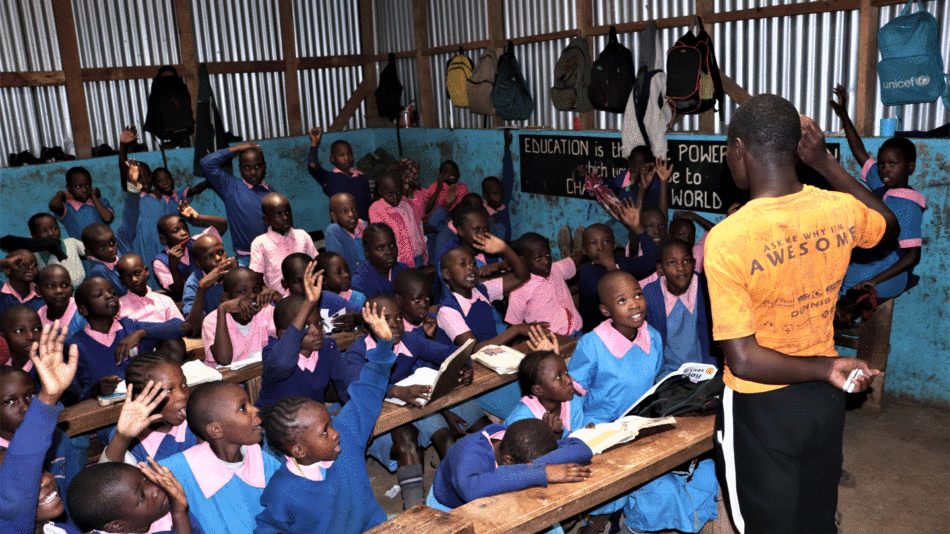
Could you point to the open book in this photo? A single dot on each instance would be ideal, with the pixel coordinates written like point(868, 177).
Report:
point(606, 435)
point(442, 380)
point(501, 359)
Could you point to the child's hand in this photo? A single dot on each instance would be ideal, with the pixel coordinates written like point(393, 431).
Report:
point(247, 146)
point(811, 149)
point(215, 275)
point(16, 263)
point(346, 322)
point(489, 243)
point(377, 323)
point(604, 258)
point(628, 213)
point(456, 423)
point(96, 193)
point(554, 421)
point(450, 197)
point(563, 473)
point(466, 376)
point(123, 351)
point(540, 338)
point(429, 326)
point(267, 296)
point(866, 285)
point(316, 134)
point(62, 196)
point(134, 171)
point(128, 135)
point(186, 211)
point(106, 385)
point(684, 215)
point(163, 478)
point(664, 169)
point(177, 252)
point(647, 173)
point(490, 268)
point(524, 329)
point(55, 372)
point(840, 106)
point(240, 307)
point(136, 414)
point(411, 394)
point(313, 283)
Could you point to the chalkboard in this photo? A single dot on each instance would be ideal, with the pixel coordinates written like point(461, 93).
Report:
point(701, 180)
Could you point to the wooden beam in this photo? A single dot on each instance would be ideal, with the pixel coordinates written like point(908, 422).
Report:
point(351, 106)
point(496, 37)
point(368, 48)
point(288, 42)
point(420, 16)
point(234, 67)
point(867, 68)
point(707, 119)
point(129, 73)
point(32, 79)
point(405, 54)
point(189, 52)
point(788, 10)
point(471, 45)
point(733, 89)
point(585, 20)
point(330, 62)
point(72, 70)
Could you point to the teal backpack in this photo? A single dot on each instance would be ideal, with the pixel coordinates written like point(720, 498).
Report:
point(911, 68)
point(511, 96)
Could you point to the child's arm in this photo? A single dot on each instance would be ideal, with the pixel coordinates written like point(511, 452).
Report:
point(507, 172)
point(518, 272)
point(568, 451)
point(195, 304)
point(164, 479)
point(192, 216)
point(699, 219)
point(199, 188)
point(57, 204)
point(211, 164)
point(909, 214)
point(222, 350)
point(840, 108)
point(282, 360)
point(319, 174)
point(663, 170)
point(170, 329)
point(126, 138)
point(136, 415)
point(910, 259)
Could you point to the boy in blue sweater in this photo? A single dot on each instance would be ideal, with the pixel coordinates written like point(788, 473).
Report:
point(102, 250)
point(376, 274)
point(203, 288)
point(323, 486)
point(345, 234)
point(20, 269)
point(344, 177)
point(80, 204)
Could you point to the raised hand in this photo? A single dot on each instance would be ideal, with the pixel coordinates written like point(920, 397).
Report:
point(186, 211)
point(450, 197)
point(540, 338)
point(812, 148)
point(267, 296)
point(96, 193)
point(56, 374)
point(313, 282)
point(163, 478)
point(136, 414)
point(628, 213)
point(128, 135)
point(134, 171)
point(217, 273)
point(377, 323)
point(664, 169)
point(489, 243)
point(563, 473)
point(839, 104)
point(316, 134)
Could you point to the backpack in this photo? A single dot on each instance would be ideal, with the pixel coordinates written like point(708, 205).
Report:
point(169, 115)
point(511, 96)
point(911, 68)
point(457, 72)
point(611, 76)
point(389, 92)
point(481, 83)
point(680, 395)
point(692, 74)
point(571, 78)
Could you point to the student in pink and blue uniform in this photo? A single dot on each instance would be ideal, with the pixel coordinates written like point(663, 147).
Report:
point(337, 280)
point(887, 268)
point(682, 227)
point(322, 486)
point(397, 212)
point(203, 288)
point(300, 360)
point(678, 308)
point(414, 295)
point(613, 366)
point(147, 306)
point(294, 269)
point(243, 322)
point(345, 234)
point(44, 226)
point(20, 269)
point(469, 221)
point(545, 297)
point(55, 286)
point(448, 181)
point(344, 177)
point(280, 240)
point(103, 253)
point(224, 477)
point(80, 204)
point(173, 265)
point(497, 193)
point(242, 197)
point(152, 422)
point(376, 274)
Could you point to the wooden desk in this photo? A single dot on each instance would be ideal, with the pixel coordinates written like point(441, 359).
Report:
point(614, 472)
point(424, 520)
point(484, 380)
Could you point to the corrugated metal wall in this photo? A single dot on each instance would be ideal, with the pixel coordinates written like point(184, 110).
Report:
point(394, 31)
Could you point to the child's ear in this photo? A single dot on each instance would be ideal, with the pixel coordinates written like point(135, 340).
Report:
point(604, 310)
point(213, 430)
point(445, 274)
point(117, 525)
point(81, 309)
point(659, 270)
point(506, 459)
point(333, 217)
point(536, 390)
point(911, 168)
point(283, 284)
point(297, 451)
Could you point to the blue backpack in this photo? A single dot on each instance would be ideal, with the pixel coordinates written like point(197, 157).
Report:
point(911, 68)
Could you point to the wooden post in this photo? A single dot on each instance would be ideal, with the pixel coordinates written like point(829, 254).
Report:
point(289, 47)
point(707, 119)
point(420, 14)
point(189, 53)
point(585, 19)
point(496, 37)
point(867, 68)
point(368, 46)
point(72, 69)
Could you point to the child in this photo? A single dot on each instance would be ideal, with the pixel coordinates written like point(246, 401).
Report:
point(500, 459)
point(23, 486)
point(413, 293)
point(300, 360)
point(49, 507)
point(56, 288)
point(224, 477)
point(242, 198)
point(203, 288)
point(323, 486)
point(102, 251)
point(281, 239)
point(375, 275)
point(678, 308)
point(20, 269)
point(641, 170)
point(152, 421)
point(886, 268)
point(337, 280)
point(396, 212)
point(497, 193)
point(146, 306)
point(545, 297)
point(682, 228)
point(613, 366)
point(447, 181)
point(244, 320)
point(80, 205)
point(344, 178)
point(21, 327)
point(469, 222)
point(116, 497)
point(173, 265)
point(294, 268)
point(345, 233)
point(108, 342)
point(44, 226)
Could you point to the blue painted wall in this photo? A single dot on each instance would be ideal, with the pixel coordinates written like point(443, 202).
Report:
point(920, 357)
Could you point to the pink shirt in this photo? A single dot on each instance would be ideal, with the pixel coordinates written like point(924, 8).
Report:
point(212, 474)
point(8, 289)
point(270, 249)
point(163, 274)
point(688, 298)
point(699, 252)
point(109, 264)
point(400, 348)
point(617, 344)
point(460, 191)
point(152, 308)
point(315, 471)
point(358, 231)
point(153, 440)
point(453, 322)
point(547, 299)
point(407, 227)
point(104, 338)
point(258, 330)
point(27, 367)
point(43, 312)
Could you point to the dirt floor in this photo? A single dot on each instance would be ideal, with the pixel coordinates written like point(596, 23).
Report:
point(900, 462)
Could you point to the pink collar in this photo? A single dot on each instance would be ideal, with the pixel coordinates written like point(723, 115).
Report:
point(8, 289)
point(409, 327)
point(354, 172)
point(4, 443)
point(162, 525)
point(348, 294)
point(451, 226)
point(491, 210)
point(688, 298)
point(110, 265)
point(617, 344)
point(315, 471)
point(398, 349)
point(262, 184)
point(277, 237)
point(67, 315)
point(497, 435)
point(907, 194)
point(27, 367)
point(212, 474)
point(154, 439)
point(538, 410)
point(626, 180)
point(466, 304)
point(358, 231)
point(104, 338)
point(75, 204)
point(308, 363)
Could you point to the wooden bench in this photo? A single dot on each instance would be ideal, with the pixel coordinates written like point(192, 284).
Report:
point(424, 520)
point(872, 340)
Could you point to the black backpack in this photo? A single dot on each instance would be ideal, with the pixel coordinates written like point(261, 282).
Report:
point(389, 93)
point(169, 115)
point(693, 84)
point(510, 95)
point(612, 76)
point(679, 395)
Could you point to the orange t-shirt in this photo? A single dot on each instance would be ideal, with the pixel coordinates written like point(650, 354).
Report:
point(775, 268)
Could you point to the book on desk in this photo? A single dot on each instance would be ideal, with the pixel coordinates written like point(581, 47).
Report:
point(442, 380)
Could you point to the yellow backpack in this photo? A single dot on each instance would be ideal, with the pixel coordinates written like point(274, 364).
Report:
point(457, 73)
